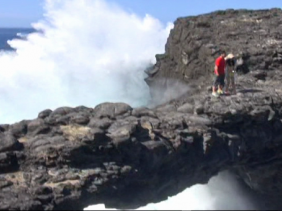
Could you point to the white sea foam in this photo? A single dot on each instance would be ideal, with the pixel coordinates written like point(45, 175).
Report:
point(222, 192)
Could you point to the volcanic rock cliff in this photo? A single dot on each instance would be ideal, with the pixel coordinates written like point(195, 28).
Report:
point(253, 36)
point(126, 157)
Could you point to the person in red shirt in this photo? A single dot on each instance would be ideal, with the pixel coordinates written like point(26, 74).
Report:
point(219, 71)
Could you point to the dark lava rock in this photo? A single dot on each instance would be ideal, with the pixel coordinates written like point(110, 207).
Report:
point(126, 157)
point(255, 37)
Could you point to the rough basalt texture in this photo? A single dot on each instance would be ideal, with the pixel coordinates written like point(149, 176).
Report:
point(255, 37)
point(126, 157)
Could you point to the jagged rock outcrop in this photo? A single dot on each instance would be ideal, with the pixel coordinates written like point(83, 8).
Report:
point(126, 157)
point(254, 36)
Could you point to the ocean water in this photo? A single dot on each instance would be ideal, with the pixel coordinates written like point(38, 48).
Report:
point(86, 53)
point(12, 33)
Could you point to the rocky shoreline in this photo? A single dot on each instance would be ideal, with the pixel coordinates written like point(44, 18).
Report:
point(125, 157)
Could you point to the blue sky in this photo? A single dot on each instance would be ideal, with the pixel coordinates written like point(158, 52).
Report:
point(21, 13)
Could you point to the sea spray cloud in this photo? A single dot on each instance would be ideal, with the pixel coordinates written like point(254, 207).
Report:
point(88, 52)
point(223, 192)
point(173, 89)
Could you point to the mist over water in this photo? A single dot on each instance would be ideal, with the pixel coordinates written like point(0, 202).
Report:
point(88, 52)
point(223, 192)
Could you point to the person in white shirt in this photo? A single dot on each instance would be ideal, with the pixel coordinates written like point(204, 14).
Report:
point(230, 74)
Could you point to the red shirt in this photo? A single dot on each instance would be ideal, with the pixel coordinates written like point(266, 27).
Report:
point(220, 63)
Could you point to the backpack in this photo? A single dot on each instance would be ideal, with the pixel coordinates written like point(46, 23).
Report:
point(230, 62)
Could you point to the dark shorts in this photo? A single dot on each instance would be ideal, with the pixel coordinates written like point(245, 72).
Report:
point(219, 80)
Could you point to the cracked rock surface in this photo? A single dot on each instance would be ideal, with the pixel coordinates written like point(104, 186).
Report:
point(70, 158)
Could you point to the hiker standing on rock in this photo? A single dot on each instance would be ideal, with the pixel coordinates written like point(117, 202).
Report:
point(230, 73)
point(219, 71)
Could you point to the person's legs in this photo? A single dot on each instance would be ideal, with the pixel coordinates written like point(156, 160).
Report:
point(221, 84)
point(215, 84)
point(219, 91)
point(227, 84)
point(233, 87)
point(227, 79)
